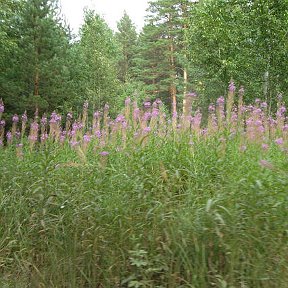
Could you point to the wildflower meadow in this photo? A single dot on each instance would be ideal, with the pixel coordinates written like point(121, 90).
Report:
point(146, 199)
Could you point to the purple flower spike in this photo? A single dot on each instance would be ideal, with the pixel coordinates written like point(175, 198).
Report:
point(87, 138)
point(241, 91)
point(127, 101)
point(104, 153)
point(34, 126)
point(211, 108)
point(9, 136)
point(15, 118)
point(279, 141)
point(136, 113)
point(192, 95)
point(43, 120)
point(220, 101)
point(155, 112)
point(2, 123)
point(147, 104)
point(85, 105)
point(147, 129)
point(282, 109)
point(1, 106)
point(69, 116)
point(120, 118)
point(264, 105)
point(232, 86)
point(24, 117)
point(265, 146)
point(96, 114)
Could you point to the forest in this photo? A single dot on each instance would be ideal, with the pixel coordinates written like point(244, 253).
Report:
point(185, 46)
point(144, 159)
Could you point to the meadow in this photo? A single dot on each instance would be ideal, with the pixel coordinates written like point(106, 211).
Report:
point(144, 199)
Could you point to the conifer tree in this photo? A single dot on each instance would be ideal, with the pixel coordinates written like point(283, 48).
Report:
point(161, 46)
point(37, 74)
point(127, 39)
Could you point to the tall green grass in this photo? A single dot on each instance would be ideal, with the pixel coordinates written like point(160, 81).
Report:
point(165, 214)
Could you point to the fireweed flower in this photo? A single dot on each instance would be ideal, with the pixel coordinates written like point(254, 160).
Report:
point(17, 134)
point(104, 153)
point(220, 101)
point(192, 95)
point(15, 118)
point(44, 137)
point(147, 104)
point(266, 164)
point(74, 143)
point(136, 113)
point(127, 101)
point(232, 86)
point(87, 138)
point(285, 127)
point(85, 105)
point(9, 136)
point(279, 141)
point(1, 107)
point(24, 117)
point(43, 121)
point(147, 116)
point(155, 112)
point(241, 91)
point(211, 108)
point(263, 105)
point(98, 134)
point(120, 118)
point(146, 129)
point(265, 146)
point(96, 114)
point(69, 116)
point(281, 110)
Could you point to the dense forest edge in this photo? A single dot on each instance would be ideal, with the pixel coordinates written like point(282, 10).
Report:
point(184, 46)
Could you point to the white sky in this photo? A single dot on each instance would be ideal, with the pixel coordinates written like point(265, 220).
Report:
point(111, 10)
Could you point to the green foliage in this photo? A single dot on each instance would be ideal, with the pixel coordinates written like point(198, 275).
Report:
point(37, 64)
point(127, 38)
point(160, 58)
point(242, 40)
point(97, 54)
point(166, 215)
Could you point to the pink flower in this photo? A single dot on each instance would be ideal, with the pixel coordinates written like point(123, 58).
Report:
point(279, 141)
point(232, 86)
point(265, 146)
point(220, 101)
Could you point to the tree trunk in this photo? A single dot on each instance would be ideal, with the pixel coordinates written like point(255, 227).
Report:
point(185, 79)
point(36, 82)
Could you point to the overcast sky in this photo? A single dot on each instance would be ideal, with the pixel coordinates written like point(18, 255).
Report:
point(111, 10)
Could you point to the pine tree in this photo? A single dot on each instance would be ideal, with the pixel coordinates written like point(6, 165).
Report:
point(98, 55)
point(37, 73)
point(127, 39)
point(162, 43)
